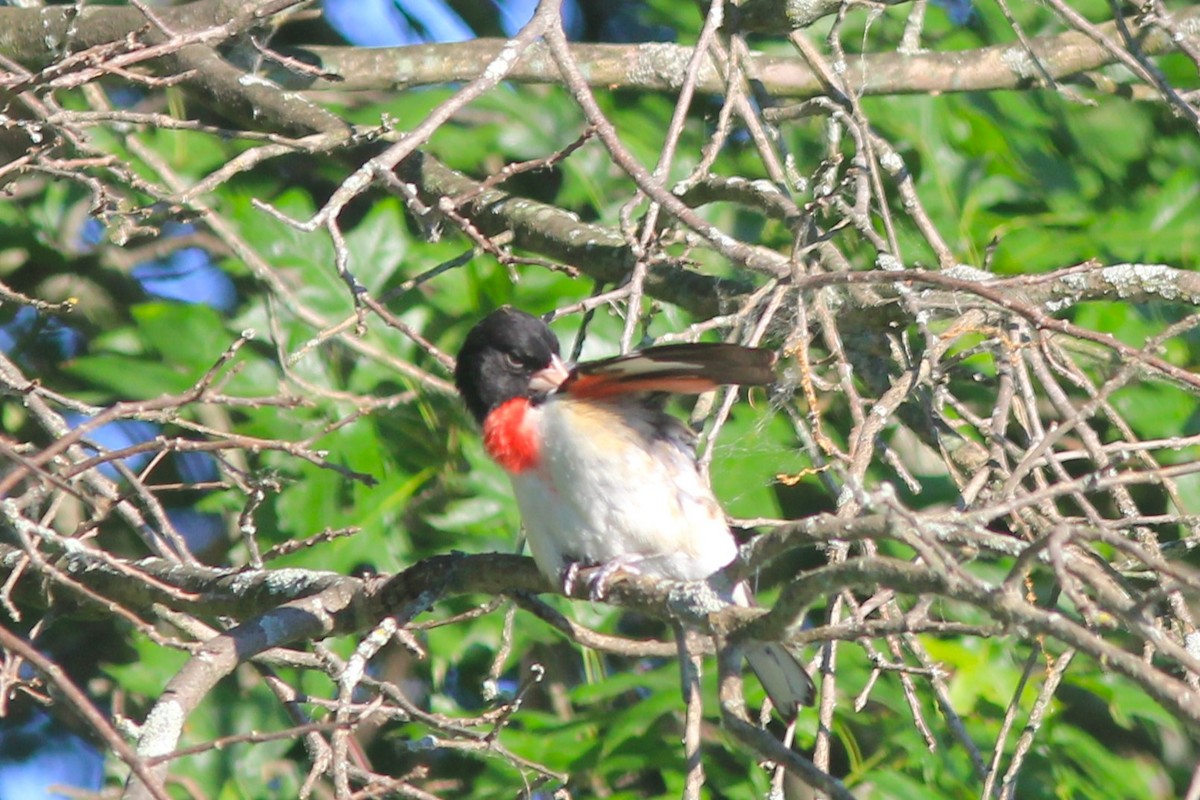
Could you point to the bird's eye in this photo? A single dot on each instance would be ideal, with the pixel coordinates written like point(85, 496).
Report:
point(513, 361)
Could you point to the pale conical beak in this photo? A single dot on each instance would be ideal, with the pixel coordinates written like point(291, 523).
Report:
point(551, 377)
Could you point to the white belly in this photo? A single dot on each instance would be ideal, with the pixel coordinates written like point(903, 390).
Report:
point(623, 492)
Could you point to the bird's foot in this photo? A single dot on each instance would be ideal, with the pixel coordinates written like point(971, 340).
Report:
point(598, 577)
point(570, 575)
point(598, 583)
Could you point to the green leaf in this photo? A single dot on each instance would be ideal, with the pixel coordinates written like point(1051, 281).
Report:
point(130, 378)
point(753, 450)
point(188, 335)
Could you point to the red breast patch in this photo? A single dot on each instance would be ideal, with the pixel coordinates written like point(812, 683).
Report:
point(509, 437)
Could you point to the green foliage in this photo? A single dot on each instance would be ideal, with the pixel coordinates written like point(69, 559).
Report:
point(1051, 181)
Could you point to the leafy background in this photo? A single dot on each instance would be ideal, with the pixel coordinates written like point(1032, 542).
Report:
point(1018, 182)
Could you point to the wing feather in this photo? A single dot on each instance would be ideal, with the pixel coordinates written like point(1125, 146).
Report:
point(677, 368)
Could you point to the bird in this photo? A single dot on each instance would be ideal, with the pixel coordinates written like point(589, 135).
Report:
point(603, 475)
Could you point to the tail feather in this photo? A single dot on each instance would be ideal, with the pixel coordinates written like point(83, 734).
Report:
point(787, 683)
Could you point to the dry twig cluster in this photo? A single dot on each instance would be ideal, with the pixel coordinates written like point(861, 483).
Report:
point(1065, 532)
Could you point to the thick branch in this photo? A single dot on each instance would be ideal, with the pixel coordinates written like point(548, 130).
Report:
point(598, 251)
point(662, 67)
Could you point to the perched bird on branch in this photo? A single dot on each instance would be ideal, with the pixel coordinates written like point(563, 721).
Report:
point(602, 474)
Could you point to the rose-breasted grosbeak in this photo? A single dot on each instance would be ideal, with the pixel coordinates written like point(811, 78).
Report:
point(603, 476)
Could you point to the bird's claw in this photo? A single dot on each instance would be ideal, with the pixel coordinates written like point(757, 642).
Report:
point(599, 578)
point(570, 574)
point(598, 582)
